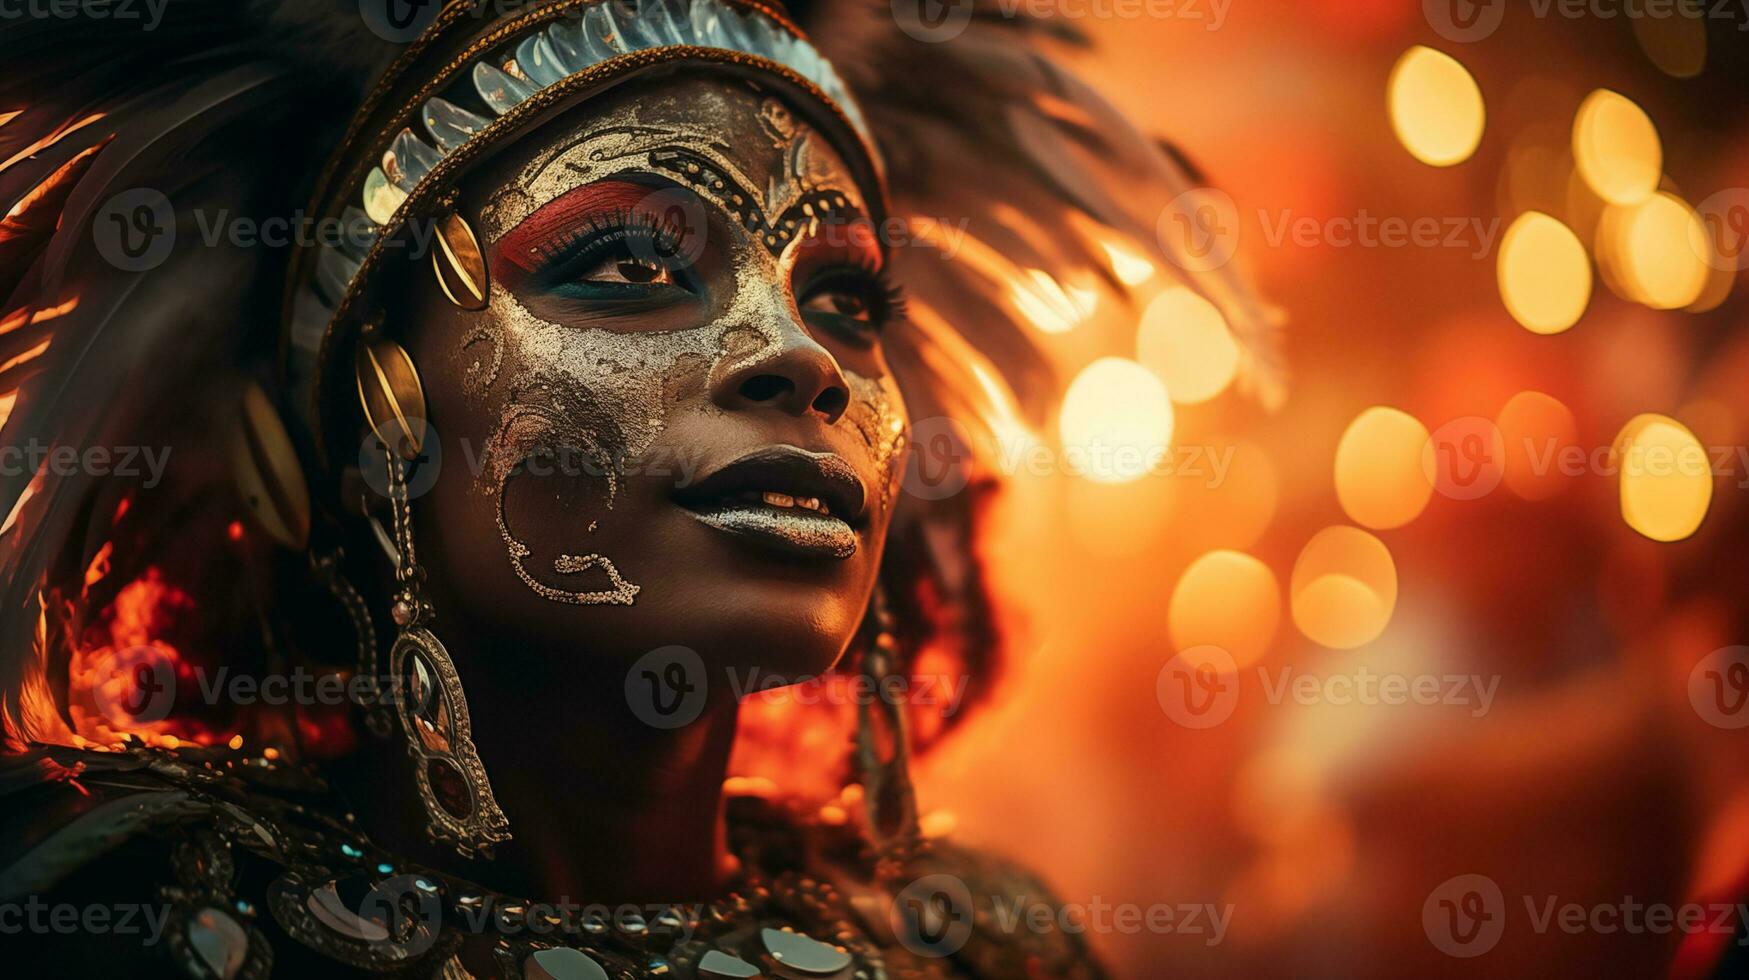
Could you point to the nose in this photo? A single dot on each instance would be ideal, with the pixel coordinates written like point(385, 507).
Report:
point(794, 375)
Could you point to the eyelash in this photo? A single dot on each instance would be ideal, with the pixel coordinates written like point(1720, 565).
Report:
point(598, 237)
point(566, 255)
point(884, 298)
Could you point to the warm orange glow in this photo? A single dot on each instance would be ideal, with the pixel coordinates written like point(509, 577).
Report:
point(1187, 342)
point(1226, 599)
point(1658, 250)
point(1117, 419)
point(1344, 588)
point(1538, 433)
point(1435, 106)
point(1380, 479)
point(1544, 273)
point(1616, 148)
point(98, 569)
point(1666, 477)
point(1131, 267)
point(60, 132)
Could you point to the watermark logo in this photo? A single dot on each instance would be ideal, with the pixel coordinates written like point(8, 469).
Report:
point(1718, 688)
point(140, 687)
point(1464, 21)
point(398, 21)
point(932, 21)
point(932, 916)
point(667, 687)
point(935, 465)
point(1467, 457)
point(420, 472)
point(1725, 215)
point(1465, 916)
point(135, 230)
point(409, 912)
point(1198, 688)
point(149, 13)
point(679, 222)
point(1199, 229)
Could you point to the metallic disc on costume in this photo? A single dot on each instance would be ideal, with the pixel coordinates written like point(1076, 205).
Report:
point(326, 905)
point(561, 963)
point(218, 941)
point(461, 269)
point(718, 965)
point(802, 954)
point(392, 396)
point(265, 467)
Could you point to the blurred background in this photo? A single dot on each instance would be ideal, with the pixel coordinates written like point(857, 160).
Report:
point(1525, 422)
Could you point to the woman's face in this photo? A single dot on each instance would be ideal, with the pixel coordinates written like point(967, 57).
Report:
point(672, 423)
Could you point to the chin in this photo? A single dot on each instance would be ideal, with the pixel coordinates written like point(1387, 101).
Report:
point(775, 626)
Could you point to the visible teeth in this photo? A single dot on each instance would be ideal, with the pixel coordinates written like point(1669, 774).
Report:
point(771, 498)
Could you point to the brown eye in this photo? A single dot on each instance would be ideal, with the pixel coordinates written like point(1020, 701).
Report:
point(848, 305)
point(628, 269)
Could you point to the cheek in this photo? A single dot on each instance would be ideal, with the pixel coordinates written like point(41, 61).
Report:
point(568, 412)
point(877, 414)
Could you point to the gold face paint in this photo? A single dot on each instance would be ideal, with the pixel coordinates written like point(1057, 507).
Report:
point(603, 388)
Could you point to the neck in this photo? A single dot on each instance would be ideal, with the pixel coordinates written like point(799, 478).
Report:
point(602, 807)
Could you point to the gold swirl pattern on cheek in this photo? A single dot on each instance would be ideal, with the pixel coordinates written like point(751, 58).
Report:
point(877, 413)
point(599, 393)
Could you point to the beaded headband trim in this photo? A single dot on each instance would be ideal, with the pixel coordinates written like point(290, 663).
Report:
point(559, 55)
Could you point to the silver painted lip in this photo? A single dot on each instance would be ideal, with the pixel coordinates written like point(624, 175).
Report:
point(796, 532)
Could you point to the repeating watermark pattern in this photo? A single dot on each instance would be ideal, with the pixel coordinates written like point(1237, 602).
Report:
point(35, 916)
point(932, 21)
point(398, 21)
point(1465, 21)
point(936, 466)
point(130, 462)
point(1718, 688)
point(135, 230)
point(1201, 229)
point(1725, 216)
point(147, 13)
point(669, 686)
point(938, 21)
point(1201, 687)
point(1473, 236)
point(1466, 916)
point(934, 916)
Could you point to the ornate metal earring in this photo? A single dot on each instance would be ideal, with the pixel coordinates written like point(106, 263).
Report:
point(459, 806)
point(882, 753)
point(461, 269)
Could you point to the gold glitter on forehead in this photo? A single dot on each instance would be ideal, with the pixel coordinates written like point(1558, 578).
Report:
point(739, 150)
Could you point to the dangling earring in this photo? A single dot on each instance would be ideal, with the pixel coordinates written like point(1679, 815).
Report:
point(882, 754)
point(459, 806)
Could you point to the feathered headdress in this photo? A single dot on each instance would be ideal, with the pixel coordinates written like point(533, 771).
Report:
point(1032, 204)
